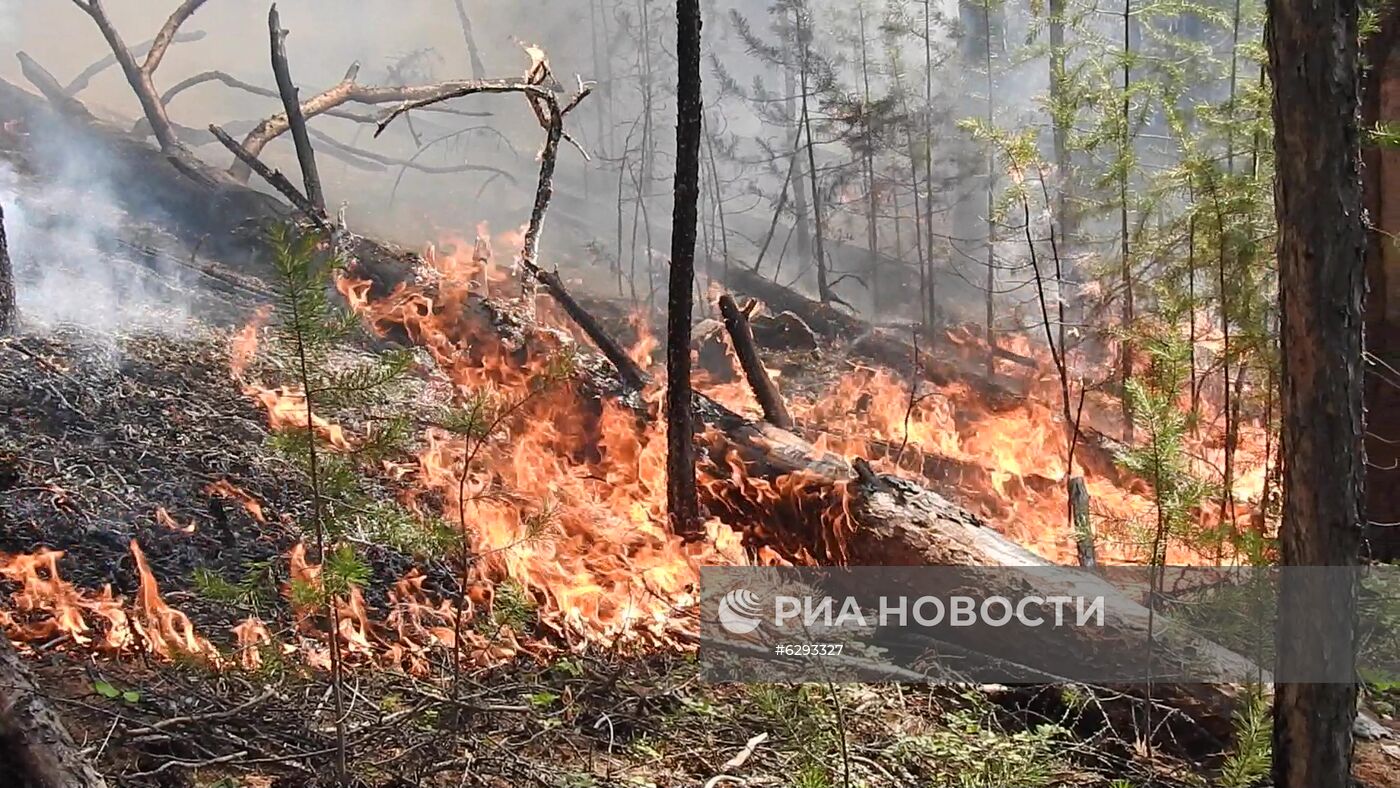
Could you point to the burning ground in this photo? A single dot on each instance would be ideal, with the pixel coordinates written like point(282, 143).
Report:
point(153, 546)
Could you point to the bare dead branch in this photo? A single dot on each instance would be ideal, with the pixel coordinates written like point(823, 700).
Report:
point(736, 322)
point(348, 90)
point(478, 69)
point(45, 82)
point(390, 161)
point(141, 75)
point(85, 77)
point(274, 178)
point(287, 89)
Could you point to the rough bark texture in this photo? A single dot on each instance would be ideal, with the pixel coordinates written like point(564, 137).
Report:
point(681, 499)
point(32, 737)
point(1313, 58)
point(8, 311)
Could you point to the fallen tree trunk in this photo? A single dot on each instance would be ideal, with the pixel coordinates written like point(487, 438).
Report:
point(33, 741)
point(808, 505)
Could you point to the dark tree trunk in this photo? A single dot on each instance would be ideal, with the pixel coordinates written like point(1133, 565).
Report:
point(8, 311)
point(1380, 168)
point(681, 499)
point(1313, 57)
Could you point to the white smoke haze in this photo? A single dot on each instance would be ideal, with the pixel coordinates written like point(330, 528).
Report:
point(421, 41)
point(70, 263)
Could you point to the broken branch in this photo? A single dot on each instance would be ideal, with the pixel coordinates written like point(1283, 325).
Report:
point(274, 178)
point(741, 335)
point(84, 78)
point(306, 156)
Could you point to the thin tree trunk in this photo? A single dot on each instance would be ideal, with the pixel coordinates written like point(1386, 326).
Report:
point(681, 499)
point(797, 176)
point(804, 33)
point(1061, 118)
point(1321, 243)
point(991, 200)
point(871, 198)
point(1125, 144)
point(932, 293)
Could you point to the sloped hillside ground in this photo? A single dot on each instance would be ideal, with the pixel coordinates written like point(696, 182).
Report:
point(100, 432)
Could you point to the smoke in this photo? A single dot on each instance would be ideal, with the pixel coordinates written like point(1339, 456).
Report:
point(77, 257)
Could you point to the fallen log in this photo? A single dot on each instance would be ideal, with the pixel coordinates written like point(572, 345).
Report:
point(33, 742)
point(809, 505)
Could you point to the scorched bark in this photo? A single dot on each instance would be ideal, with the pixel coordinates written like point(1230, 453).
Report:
point(1313, 56)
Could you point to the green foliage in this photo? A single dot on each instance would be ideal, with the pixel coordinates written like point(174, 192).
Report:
point(971, 750)
point(1249, 764)
point(254, 590)
point(1160, 455)
point(110, 692)
point(512, 607)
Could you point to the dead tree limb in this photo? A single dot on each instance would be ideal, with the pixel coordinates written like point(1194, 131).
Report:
point(736, 322)
point(32, 734)
point(141, 76)
point(47, 85)
point(351, 152)
point(84, 78)
point(274, 178)
point(8, 310)
point(478, 69)
point(287, 88)
point(348, 90)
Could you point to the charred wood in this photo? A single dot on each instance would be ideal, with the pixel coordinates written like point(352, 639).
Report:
point(736, 322)
point(32, 736)
point(287, 89)
point(8, 309)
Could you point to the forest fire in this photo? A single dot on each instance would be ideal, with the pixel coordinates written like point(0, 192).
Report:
point(49, 608)
point(570, 510)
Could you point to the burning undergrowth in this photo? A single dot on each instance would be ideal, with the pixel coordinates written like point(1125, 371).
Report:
point(542, 492)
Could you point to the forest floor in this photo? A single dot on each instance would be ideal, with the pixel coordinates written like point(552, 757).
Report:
point(102, 432)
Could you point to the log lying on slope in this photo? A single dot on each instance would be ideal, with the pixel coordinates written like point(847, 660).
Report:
point(35, 748)
point(812, 505)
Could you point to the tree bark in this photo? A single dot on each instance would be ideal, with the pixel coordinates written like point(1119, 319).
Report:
point(32, 735)
point(8, 310)
point(1321, 241)
point(741, 336)
point(681, 500)
point(1382, 398)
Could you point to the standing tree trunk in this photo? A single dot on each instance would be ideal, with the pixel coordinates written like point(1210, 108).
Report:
point(1313, 57)
point(8, 310)
point(681, 500)
point(1125, 146)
